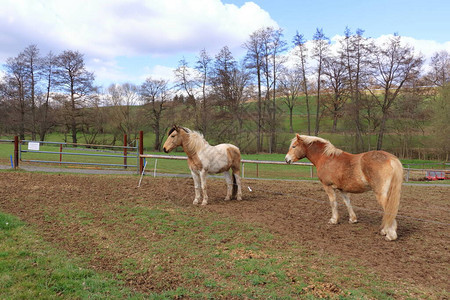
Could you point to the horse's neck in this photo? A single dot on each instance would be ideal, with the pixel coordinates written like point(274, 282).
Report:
point(315, 153)
point(185, 144)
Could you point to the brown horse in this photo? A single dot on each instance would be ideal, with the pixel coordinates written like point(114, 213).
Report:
point(379, 171)
point(205, 159)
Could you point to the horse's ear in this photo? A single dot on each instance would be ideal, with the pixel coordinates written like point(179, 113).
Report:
point(299, 138)
point(174, 128)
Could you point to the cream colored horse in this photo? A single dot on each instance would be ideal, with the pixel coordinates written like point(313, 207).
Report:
point(379, 171)
point(205, 159)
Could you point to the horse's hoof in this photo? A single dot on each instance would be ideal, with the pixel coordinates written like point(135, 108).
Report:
point(391, 237)
point(239, 198)
point(382, 232)
point(332, 221)
point(227, 199)
point(353, 221)
point(195, 202)
point(204, 203)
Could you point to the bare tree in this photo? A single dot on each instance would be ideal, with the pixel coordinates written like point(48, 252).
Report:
point(16, 76)
point(123, 99)
point(394, 66)
point(258, 59)
point(203, 67)
point(4, 116)
point(356, 51)
point(302, 53)
point(73, 79)
point(155, 93)
point(229, 83)
point(336, 78)
point(93, 120)
point(255, 61)
point(320, 51)
point(32, 66)
point(439, 75)
point(47, 73)
point(224, 66)
point(277, 46)
point(185, 82)
point(291, 86)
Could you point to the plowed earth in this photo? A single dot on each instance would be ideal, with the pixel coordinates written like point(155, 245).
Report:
point(294, 210)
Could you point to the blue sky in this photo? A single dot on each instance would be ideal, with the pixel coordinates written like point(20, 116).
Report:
point(130, 40)
point(427, 20)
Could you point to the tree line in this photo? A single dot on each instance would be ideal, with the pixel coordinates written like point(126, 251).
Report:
point(365, 89)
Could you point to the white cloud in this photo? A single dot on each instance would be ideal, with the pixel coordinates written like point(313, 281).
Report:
point(116, 27)
point(425, 47)
point(159, 72)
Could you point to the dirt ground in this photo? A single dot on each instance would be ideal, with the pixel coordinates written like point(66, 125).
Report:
point(296, 210)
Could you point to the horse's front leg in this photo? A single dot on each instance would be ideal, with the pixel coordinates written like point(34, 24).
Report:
point(197, 186)
point(203, 185)
point(334, 211)
point(352, 216)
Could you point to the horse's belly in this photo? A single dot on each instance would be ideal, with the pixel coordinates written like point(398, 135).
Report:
point(347, 185)
point(355, 188)
point(216, 165)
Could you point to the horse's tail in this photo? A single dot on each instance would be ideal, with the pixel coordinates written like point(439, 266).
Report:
point(393, 198)
point(235, 156)
point(235, 187)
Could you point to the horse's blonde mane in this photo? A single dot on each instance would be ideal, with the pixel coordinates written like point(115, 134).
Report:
point(196, 141)
point(329, 149)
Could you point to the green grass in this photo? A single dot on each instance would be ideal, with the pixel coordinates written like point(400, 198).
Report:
point(32, 269)
point(214, 259)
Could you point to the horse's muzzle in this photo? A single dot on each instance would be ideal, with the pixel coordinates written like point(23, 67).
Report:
point(288, 159)
point(165, 150)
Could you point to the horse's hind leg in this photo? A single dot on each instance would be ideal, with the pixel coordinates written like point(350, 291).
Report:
point(237, 190)
point(229, 185)
point(351, 213)
point(334, 211)
point(389, 229)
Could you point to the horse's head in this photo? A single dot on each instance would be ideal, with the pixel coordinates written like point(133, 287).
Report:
point(296, 151)
point(173, 140)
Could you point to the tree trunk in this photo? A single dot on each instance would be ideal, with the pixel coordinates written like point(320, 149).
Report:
point(381, 132)
point(291, 127)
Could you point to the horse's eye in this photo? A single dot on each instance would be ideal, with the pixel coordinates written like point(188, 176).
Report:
point(293, 147)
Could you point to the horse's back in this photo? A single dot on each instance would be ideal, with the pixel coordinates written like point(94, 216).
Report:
point(358, 173)
point(220, 158)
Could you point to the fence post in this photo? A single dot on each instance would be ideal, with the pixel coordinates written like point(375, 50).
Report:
point(125, 144)
point(407, 174)
point(16, 152)
point(60, 153)
point(141, 151)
